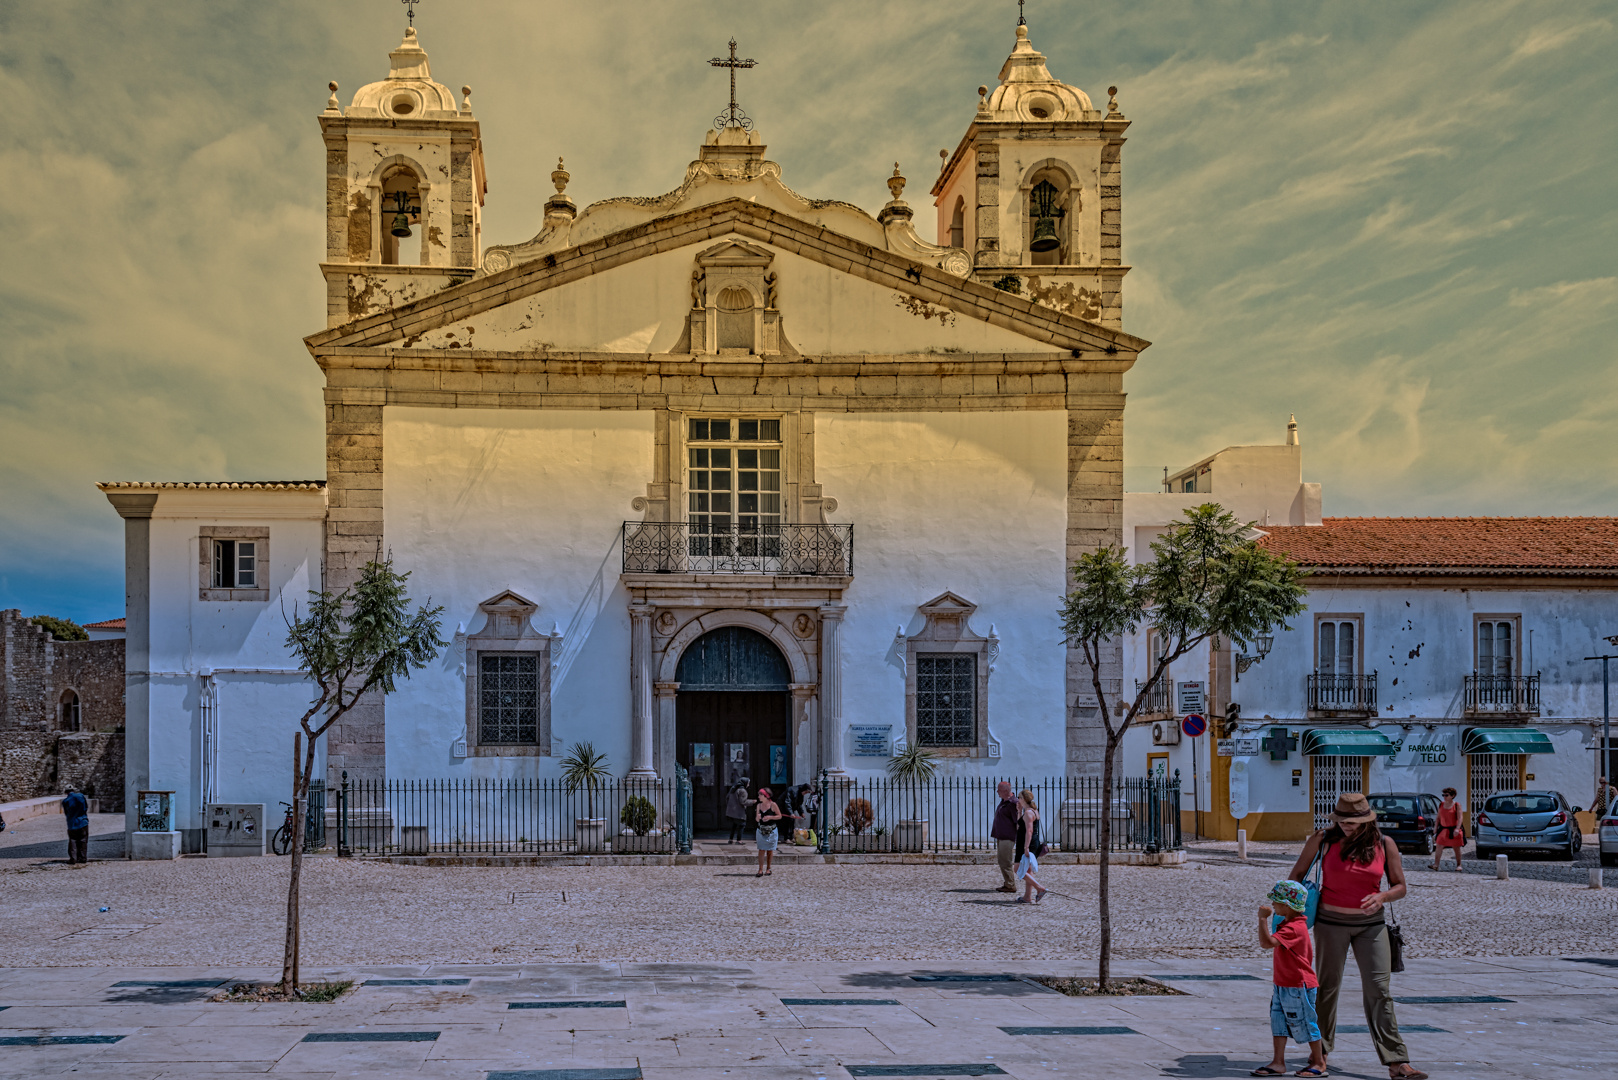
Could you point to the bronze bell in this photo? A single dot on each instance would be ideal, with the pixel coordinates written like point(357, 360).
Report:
point(1044, 238)
point(401, 225)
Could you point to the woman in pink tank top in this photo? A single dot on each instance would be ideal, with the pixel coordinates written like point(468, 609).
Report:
point(1354, 859)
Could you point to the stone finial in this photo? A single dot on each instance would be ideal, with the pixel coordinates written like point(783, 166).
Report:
point(466, 100)
point(983, 101)
point(1292, 429)
point(559, 208)
point(943, 159)
point(331, 102)
point(896, 183)
point(1112, 104)
point(560, 177)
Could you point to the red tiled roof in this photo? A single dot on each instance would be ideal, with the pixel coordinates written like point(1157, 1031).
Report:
point(109, 624)
point(1492, 545)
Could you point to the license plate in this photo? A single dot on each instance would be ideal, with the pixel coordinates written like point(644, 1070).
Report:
point(1522, 839)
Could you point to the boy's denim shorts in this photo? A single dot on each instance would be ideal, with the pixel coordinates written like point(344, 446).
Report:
point(1292, 1012)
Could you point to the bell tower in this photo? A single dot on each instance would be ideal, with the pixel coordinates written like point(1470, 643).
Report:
point(404, 188)
point(1033, 191)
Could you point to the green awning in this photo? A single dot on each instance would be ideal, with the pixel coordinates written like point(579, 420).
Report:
point(1345, 742)
point(1505, 740)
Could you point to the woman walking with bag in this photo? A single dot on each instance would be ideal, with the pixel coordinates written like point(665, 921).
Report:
point(1451, 830)
point(1355, 857)
point(1030, 846)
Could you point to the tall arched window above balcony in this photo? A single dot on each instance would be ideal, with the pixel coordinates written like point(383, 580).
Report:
point(400, 218)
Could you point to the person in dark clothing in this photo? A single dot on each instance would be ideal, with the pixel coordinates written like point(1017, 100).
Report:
point(1004, 834)
point(736, 806)
point(76, 809)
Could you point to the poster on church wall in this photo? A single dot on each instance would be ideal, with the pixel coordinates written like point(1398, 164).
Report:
point(872, 740)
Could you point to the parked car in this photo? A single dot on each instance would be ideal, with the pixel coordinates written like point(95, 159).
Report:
point(1409, 817)
point(1607, 830)
point(1514, 821)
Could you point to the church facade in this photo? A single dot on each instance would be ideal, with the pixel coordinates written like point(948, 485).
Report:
point(725, 471)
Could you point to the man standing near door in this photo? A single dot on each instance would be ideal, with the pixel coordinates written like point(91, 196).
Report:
point(1004, 834)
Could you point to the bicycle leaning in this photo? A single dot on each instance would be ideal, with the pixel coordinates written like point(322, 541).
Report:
point(281, 842)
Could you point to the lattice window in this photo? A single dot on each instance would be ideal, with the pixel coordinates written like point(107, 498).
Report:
point(508, 698)
point(1331, 777)
point(946, 699)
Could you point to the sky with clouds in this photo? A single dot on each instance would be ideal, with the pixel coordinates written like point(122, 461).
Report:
point(1395, 220)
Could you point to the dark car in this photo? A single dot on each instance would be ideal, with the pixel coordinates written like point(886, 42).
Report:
point(1518, 821)
point(1410, 818)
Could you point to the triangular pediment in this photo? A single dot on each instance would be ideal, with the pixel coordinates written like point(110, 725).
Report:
point(908, 295)
point(948, 603)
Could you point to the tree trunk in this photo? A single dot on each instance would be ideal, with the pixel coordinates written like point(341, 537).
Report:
point(303, 767)
point(1104, 862)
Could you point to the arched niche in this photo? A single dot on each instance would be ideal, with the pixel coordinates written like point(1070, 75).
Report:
point(393, 177)
point(1054, 183)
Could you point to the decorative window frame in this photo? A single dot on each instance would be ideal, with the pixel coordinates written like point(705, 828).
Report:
point(507, 627)
point(260, 535)
point(1357, 617)
point(948, 629)
point(1513, 617)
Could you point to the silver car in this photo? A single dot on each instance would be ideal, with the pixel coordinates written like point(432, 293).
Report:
point(1514, 821)
point(1607, 829)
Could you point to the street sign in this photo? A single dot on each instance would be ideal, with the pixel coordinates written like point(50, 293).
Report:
point(1189, 698)
point(1194, 725)
point(1225, 747)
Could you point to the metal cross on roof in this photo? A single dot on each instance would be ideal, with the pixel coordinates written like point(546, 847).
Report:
point(733, 115)
point(1020, 20)
point(410, 9)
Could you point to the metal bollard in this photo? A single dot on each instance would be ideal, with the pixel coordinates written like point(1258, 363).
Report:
point(1595, 877)
point(1241, 843)
point(1502, 869)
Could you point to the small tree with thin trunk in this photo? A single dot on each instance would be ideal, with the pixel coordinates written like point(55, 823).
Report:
point(1207, 579)
point(349, 644)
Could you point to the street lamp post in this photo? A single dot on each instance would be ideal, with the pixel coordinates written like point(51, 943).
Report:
point(1603, 765)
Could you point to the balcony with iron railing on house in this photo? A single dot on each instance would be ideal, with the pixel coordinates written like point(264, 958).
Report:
point(1501, 695)
point(1346, 695)
point(1159, 699)
point(678, 547)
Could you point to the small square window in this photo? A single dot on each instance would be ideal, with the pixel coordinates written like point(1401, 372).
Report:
point(234, 562)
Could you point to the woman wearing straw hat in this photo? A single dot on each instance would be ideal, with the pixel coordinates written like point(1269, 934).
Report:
point(1354, 858)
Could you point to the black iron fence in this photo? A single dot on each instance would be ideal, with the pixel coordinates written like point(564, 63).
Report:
point(508, 817)
point(1342, 693)
point(678, 547)
point(1501, 695)
point(544, 817)
point(957, 813)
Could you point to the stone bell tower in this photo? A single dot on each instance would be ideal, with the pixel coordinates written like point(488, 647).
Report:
point(1033, 191)
point(404, 188)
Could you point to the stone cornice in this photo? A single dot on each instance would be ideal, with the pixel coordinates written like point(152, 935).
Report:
point(731, 217)
point(609, 363)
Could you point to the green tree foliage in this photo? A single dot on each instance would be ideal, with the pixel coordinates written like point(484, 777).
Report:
point(60, 629)
point(349, 644)
point(1207, 579)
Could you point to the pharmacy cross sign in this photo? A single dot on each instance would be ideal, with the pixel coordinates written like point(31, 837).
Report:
point(1278, 743)
point(733, 116)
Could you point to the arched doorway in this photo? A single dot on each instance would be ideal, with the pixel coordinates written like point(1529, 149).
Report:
point(731, 718)
point(67, 710)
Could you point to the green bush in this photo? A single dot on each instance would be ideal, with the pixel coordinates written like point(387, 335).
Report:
point(61, 629)
point(638, 815)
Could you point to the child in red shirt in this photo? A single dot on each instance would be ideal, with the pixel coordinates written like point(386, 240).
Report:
point(1292, 1002)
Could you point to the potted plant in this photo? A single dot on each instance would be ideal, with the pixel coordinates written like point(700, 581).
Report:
point(584, 768)
point(639, 819)
point(857, 817)
point(913, 767)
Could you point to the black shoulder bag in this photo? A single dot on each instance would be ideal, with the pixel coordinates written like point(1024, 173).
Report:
point(1396, 941)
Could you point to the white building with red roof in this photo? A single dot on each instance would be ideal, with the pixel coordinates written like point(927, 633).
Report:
point(1435, 652)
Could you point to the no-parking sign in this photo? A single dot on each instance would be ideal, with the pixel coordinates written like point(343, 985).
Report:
point(1193, 725)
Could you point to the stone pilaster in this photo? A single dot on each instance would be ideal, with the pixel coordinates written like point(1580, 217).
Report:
point(1112, 207)
point(831, 688)
point(988, 204)
point(640, 683)
point(1095, 518)
point(357, 742)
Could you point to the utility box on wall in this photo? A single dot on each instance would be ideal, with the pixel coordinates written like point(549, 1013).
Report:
point(235, 829)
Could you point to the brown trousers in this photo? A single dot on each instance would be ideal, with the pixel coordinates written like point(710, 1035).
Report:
point(78, 845)
point(1005, 853)
point(1369, 940)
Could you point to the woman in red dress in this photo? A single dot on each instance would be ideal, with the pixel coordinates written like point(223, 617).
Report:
point(1451, 830)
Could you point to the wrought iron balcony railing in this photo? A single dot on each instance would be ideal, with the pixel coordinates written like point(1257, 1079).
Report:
point(1158, 700)
point(1502, 695)
point(1342, 693)
point(677, 547)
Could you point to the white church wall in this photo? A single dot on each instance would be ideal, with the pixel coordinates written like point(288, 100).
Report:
point(974, 503)
point(643, 307)
point(479, 501)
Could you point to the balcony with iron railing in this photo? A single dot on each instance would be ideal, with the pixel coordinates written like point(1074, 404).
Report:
point(1501, 695)
point(678, 547)
point(1347, 695)
point(1159, 699)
